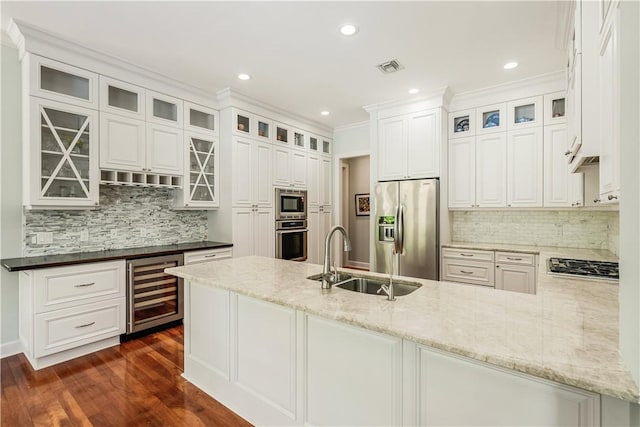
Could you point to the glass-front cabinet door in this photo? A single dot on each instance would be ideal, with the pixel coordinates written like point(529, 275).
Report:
point(201, 191)
point(524, 113)
point(462, 123)
point(264, 128)
point(64, 152)
point(491, 118)
point(163, 109)
point(200, 119)
point(122, 98)
point(61, 82)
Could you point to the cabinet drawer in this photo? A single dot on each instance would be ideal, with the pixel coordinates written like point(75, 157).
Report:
point(477, 273)
point(195, 257)
point(65, 329)
point(515, 258)
point(468, 254)
point(63, 287)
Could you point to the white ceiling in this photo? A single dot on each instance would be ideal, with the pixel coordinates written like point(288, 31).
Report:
point(298, 59)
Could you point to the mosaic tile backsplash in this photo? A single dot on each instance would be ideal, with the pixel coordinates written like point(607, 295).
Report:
point(569, 229)
point(116, 223)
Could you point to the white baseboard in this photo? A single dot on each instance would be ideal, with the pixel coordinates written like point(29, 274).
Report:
point(10, 348)
point(357, 264)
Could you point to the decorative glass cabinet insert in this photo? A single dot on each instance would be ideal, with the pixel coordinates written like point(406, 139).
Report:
point(64, 154)
point(202, 170)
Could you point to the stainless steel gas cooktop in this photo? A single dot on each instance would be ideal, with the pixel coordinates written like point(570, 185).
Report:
point(585, 268)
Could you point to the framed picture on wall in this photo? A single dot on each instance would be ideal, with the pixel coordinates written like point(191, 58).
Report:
point(363, 208)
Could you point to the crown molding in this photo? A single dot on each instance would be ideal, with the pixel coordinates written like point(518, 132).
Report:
point(564, 23)
point(352, 126)
point(536, 85)
point(32, 39)
point(436, 98)
point(229, 97)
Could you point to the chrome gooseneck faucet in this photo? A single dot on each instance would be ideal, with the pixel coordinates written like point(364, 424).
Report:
point(329, 278)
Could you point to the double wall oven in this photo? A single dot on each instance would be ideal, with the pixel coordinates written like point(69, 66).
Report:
point(291, 224)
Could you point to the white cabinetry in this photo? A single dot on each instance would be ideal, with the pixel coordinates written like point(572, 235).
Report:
point(62, 155)
point(202, 189)
point(491, 170)
point(561, 188)
point(289, 167)
point(56, 81)
point(66, 312)
point(164, 150)
point(609, 97)
point(502, 270)
point(206, 255)
point(319, 222)
point(468, 266)
point(524, 167)
point(462, 173)
point(409, 146)
point(524, 113)
point(252, 171)
point(122, 142)
point(268, 363)
point(515, 272)
point(253, 232)
point(121, 98)
point(164, 109)
point(456, 391)
point(331, 398)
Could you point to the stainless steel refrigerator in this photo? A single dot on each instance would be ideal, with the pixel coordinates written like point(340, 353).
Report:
point(407, 220)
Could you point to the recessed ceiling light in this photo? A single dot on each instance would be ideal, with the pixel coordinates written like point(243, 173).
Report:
point(414, 91)
point(348, 30)
point(243, 76)
point(324, 113)
point(510, 65)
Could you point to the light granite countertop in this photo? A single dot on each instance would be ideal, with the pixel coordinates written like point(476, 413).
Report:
point(567, 332)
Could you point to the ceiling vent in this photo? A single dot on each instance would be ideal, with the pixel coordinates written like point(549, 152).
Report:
point(389, 67)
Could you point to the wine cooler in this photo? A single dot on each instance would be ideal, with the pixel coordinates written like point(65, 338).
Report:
point(153, 297)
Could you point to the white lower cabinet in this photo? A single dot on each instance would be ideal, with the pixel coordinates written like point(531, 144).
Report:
point(66, 312)
point(456, 391)
point(274, 365)
point(353, 376)
point(516, 278)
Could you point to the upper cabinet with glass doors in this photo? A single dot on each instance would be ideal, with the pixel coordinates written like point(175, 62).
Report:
point(524, 113)
point(200, 119)
point(163, 109)
point(201, 190)
point(122, 98)
point(63, 155)
point(61, 82)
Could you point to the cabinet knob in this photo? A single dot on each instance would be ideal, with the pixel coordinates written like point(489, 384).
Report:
point(567, 153)
point(611, 197)
point(497, 266)
point(596, 200)
point(508, 206)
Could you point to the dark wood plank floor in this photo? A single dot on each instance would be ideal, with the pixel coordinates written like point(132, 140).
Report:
point(137, 383)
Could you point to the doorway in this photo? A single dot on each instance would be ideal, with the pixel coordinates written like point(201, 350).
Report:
point(355, 185)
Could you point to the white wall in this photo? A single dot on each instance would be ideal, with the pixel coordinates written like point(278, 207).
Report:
point(10, 189)
point(629, 185)
point(359, 183)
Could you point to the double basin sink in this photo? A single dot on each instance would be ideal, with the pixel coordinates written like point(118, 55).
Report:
point(369, 285)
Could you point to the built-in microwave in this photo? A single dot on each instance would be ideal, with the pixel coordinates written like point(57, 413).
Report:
point(291, 204)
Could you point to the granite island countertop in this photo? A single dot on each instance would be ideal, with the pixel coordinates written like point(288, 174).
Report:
point(567, 332)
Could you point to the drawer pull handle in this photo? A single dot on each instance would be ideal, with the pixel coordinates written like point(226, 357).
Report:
point(84, 285)
point(210, 256)
point(466, 272)
point(86, 325)
point(469, 255)
point(514, 259)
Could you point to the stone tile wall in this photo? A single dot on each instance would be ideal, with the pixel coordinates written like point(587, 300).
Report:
point(116, 223)
point(572, 229)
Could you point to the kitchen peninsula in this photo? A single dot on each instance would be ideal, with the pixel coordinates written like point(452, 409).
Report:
point(271, 345)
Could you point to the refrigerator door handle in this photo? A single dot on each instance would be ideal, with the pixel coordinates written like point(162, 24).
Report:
point(396, 231)
point(400, 221)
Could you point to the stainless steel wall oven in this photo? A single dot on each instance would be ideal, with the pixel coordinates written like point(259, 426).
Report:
point(153, 297)
point(291, 240)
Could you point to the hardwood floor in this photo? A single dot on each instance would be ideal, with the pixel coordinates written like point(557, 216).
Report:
point(136, 383)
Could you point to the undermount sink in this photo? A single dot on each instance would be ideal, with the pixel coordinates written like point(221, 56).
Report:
point(366, 285)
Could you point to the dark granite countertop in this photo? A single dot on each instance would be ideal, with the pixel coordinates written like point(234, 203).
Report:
point(31, 263)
